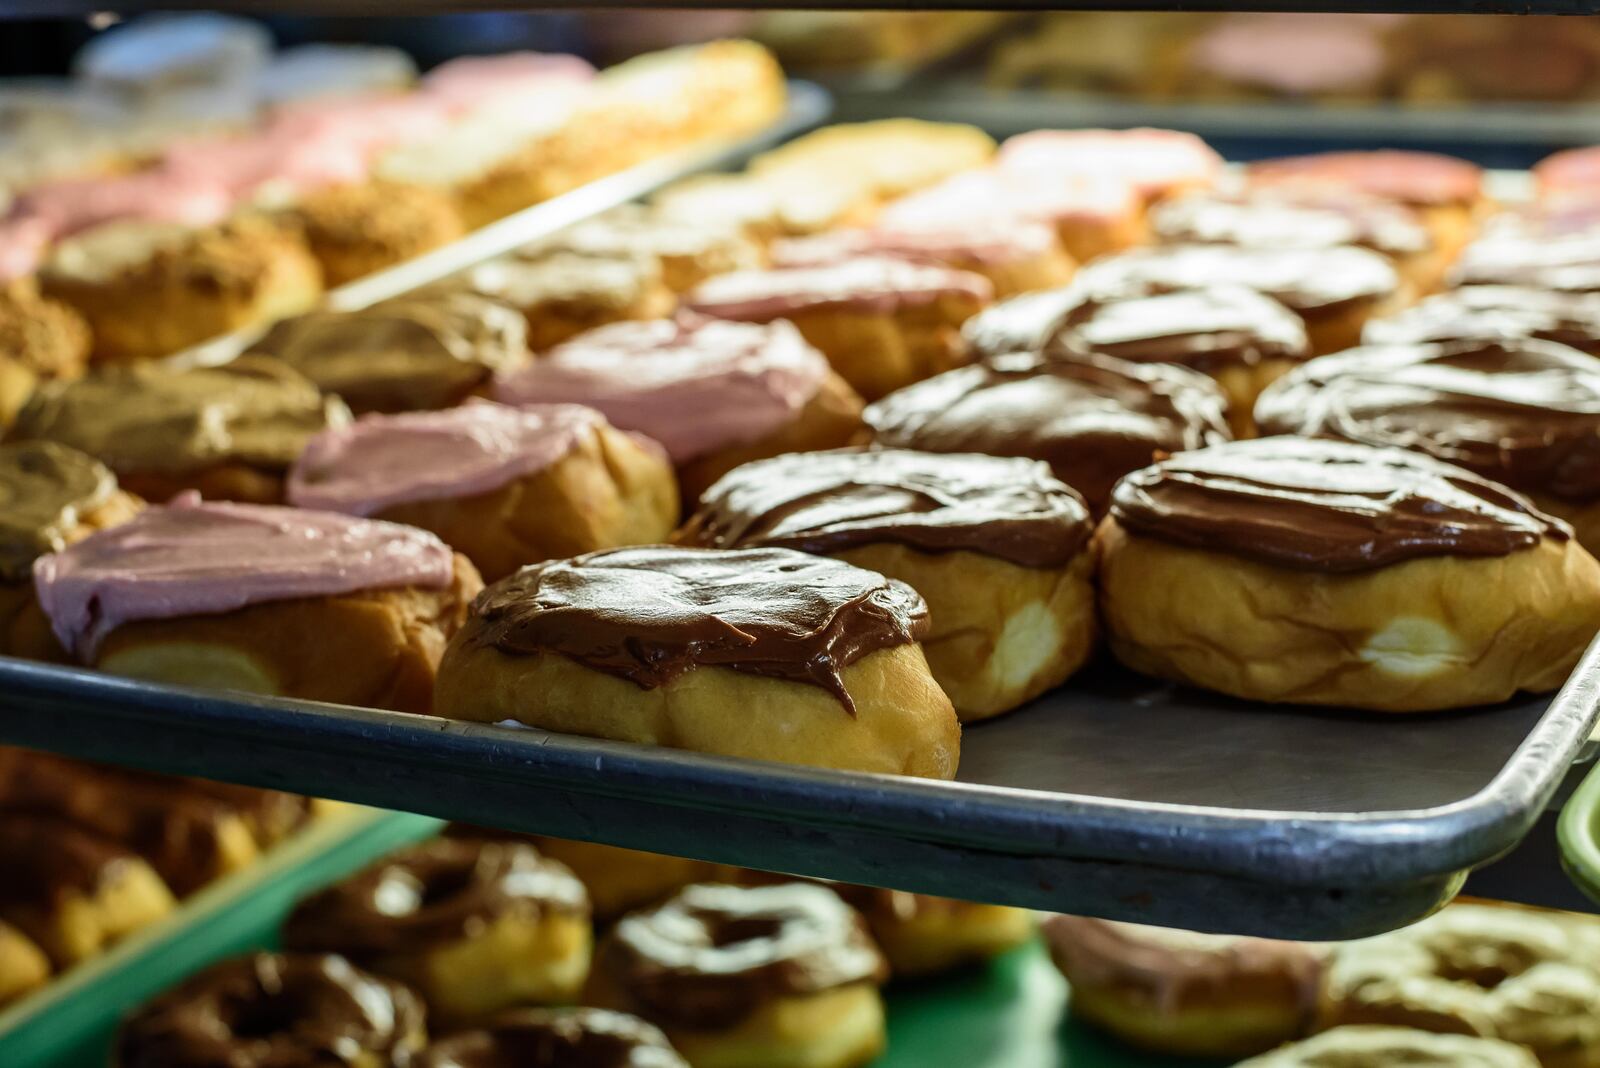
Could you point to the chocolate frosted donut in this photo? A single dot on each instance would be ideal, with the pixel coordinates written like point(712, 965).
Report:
point(556, 1038)
point(1363, 1047)
point(1291, 219)
point(1568, 263)
point(1092, 420)
point(273, 1009)
point(1494, 312)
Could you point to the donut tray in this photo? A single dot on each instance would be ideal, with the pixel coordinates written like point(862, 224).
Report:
point(1113, 796)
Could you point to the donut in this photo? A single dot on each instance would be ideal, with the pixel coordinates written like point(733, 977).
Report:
point(1016, 255)
point(23, 965)
point(1184, 993)
point(1327, 573)
point(1246, 58)
point(1571, 172)
point(354, 230)
point(765, 208)
point(1334, 290)
point(768, 975)
point(1239, 338)
point(502, 486)
point(473, 926)
point(71, 893)
point(882, 322)
point(412, 353)
point(714, 394)
point(271, 815)
point(883, 159)
point(618, 880)
point(331, 72)
point(50, 496)
point(268, 600)
point(152, 289)
point(688, 252)
point(275, 1008)
point(40, 339)
point(1504, 312)
point(1566, 262)
point(1361, 1047)
point(993, 544)
point(1092, 419)
point(1519, 975)
point(669, 646)
point(1521, 412)
point(229, 432)
point(1156, 163)
point(564, 294)
point(555, 1038)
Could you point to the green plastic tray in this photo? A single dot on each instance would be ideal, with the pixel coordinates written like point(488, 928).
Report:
point(1578, 832)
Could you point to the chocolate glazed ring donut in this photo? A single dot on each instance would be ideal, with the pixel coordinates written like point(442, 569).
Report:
point(749, 975)
point(476, 926)
point(1365, 1047)
point(556, 1038)
point(273, 1009)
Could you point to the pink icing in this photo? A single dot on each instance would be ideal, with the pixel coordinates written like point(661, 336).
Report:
point(873, 283)
point(158, 195)
point(1396, 174)
point(22, 244)
point(994, 198)
point(191, 558)
point(1002, 240)
point(369, 123)
point(1154, 161)
point(1574, 171)
point(470, 82)
point(274, 156)
point(1292, 53)
point(694, 385)
point(383, 460)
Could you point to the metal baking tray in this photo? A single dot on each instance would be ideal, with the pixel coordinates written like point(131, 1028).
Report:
point(1114, 796)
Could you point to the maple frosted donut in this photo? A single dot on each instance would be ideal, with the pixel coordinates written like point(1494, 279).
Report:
point(416, 352)
point(1092, 419)
point(1327, 573)
point(1184, 993)
point(781, 975)
point(714, 394)
point(882, 322)
point(1519, 411)
point(475, 927)
point(1359, 1047)
point(40, 340)
point(993, 544)
point(1239, 338)
point(230, 432)
point(555, 1038)
point(275, 1008)
point(354, 230)
point(676, 647)
point(1157, 163)
point(50, 496)
point(1335, 291)
point(502, 486)
point(687, 252)
point(263, 599)
point(564, 294)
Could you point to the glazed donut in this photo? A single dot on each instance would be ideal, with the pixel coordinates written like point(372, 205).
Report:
point(23, 965)
point(666, 646)
point(1326, 573)
point(229, 432)
point(1185, 993)
point(883, 159)
point(356, 229)
point(1092, 419)
point(564, 294)
point(714, 394)
point(1335, 291)
point(269, 600)
point(52, 496)
point(555, 1038)
point(1497, 972)
point(1157, 163)
point(1502, 312)
point(473, 926)
point(1237, 337)
point(1522, 412)
point(275, 1008)
point(882, 322)
point(993, 544)
point(503, 486)
point(766, 208)
point(420, 351)
point(1366, 1047)
point(688, 252)
point(779, 976)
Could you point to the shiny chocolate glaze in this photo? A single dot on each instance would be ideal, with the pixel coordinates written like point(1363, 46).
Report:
point(1522, 412)
point(713, 954)
point(1494, 312)
point(1092, 419)
point(45, 490)
point(825, 502)
point(1568, 263)
point(46, 859)
point(1326, 506)
point(1290, 218)
point(556, 1038)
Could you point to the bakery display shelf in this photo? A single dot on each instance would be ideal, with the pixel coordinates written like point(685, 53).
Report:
point(1114, 796)
point(68, 1024)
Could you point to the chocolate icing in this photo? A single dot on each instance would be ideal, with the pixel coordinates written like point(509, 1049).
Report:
point(651, 614)
point(1092, 419)
point(1494, 312)
point(414, 352)
point(556, 1038)
point(45, 859)
point(1522, 412)
point(45, 490)
point(1326, 506)
point(1311, 281)
point(432, 894)
point(271, 1009)
point(150, 418)
point(826, 502)
point(1273, 219)
point(1206, 329)
point(712, 955)
point(1569, 263)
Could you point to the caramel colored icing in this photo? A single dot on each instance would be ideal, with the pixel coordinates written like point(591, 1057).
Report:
point(45, 489)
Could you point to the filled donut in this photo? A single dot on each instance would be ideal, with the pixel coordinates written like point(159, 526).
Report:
point(555, 1038)
point(1504, 312)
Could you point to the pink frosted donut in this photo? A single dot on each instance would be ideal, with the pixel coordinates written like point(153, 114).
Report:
point(867, 283)
point(275, 157)
point(471, 82)
point(158, 195)
point(1154, 162)
point(984, 198)
point(1574, 172)
point(1423, 179)
point(368, 123)
point(996, 241)
point(23, 241)
point(1298, 55)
